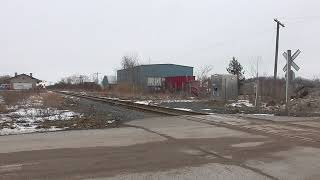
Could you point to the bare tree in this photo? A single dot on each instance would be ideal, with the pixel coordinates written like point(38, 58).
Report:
point(75, 79)
point(255, 74)
point(129, 62)
point(203, 74)
point(4, 78)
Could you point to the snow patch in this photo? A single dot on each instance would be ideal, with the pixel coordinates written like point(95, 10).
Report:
point(183, 109)
point(28, 115)
point(1, 100)
point(178, 101)
point(43, 114)
point(25, 130)
point(110, 122)
point(241, 103)
point(144, 102)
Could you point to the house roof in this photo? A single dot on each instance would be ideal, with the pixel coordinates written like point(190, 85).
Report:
point(24, 75)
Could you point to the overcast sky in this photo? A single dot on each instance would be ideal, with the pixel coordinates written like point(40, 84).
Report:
point(55, 38)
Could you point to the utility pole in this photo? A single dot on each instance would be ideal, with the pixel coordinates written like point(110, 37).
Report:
point(288, 76)
point(81, 79)
point(288, 81)
point(274, 89)
point(277, 48)
point(257, 83)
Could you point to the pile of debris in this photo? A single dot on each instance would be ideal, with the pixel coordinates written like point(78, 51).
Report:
point(306, 102)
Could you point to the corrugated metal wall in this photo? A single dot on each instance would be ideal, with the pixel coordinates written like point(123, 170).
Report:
point(140, 74)
point(166, 70)
point(178, 82)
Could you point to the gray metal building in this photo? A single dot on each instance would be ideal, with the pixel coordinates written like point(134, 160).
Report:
point(224, 87)
point(140, 75)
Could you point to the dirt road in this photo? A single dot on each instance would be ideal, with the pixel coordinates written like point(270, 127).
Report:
point(169, 148)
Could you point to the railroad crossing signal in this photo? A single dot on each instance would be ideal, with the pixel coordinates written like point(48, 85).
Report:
point(289, 72)
point(293, 57)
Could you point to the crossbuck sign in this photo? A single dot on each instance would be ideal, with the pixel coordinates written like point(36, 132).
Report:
point(287, 69)
point(293, 57)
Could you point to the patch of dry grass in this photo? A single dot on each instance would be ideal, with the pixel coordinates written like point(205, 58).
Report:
point(15, 97)
point(3, 108)
point(53, 100)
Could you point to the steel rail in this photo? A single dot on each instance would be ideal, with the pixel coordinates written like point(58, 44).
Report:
point(132, 105)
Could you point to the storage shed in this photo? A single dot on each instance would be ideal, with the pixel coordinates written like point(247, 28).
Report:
point(152, 75)
point(224, 87)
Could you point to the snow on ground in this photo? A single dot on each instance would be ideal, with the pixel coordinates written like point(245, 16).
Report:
point(183, 109)
point(241, 103)
point(262, 114)
point(155, 102)
point(31, 114)
point(178, 101)
point(32, 101)
point(167, 101)
point(144, 102)
point(206, 109)
point(111, 98)
point(27, 116)
point(24, 130)
point(1, 100)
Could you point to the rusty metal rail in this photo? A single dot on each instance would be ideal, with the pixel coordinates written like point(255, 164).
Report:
point(132, 105)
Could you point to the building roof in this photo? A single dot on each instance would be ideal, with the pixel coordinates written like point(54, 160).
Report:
point(24, 75)
point(161, 65)
point(165, 65)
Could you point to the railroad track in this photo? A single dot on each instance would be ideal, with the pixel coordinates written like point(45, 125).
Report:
point(286, 130)
point(132, 105)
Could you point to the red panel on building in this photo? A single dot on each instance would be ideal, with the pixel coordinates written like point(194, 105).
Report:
point(178, 82)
